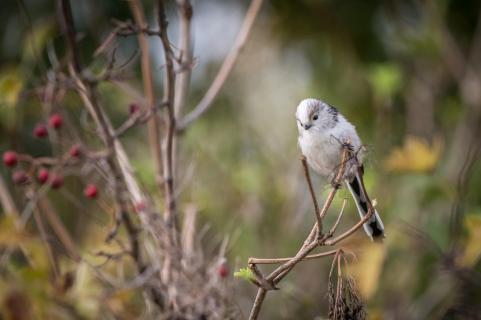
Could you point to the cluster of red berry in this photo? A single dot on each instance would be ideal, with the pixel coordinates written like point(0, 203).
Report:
point(54, 179)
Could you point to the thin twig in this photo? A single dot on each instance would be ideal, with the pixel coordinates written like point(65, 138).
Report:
point(313, 196)
point(226, 67)
point(336, 224)
point(168, 100)
point(183, 78)
point(280, 260)
point(153, 124)
point(353, 229)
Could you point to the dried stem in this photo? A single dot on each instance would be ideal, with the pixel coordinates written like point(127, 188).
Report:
point(256, 308)
point(280, 260)
point(186, 55)
point(168, 101)
point(153, 123)
point(313, 196)
point(226, 67)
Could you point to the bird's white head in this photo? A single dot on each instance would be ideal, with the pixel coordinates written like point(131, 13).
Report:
point(315, 115)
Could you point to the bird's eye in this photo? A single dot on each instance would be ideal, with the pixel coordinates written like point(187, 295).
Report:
point(315, 117)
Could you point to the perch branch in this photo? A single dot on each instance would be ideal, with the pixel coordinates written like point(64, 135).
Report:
point(311, 242)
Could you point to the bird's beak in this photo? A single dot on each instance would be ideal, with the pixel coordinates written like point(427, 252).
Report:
point(307, 126)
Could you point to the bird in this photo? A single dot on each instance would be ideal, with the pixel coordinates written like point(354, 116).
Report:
point(323, 134)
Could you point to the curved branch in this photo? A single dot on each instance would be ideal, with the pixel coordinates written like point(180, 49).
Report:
point(226, 67)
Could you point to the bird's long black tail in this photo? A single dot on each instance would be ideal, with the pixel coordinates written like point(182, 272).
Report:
point(374, 226)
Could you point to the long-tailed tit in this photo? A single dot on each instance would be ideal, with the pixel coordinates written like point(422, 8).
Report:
point(323, 133)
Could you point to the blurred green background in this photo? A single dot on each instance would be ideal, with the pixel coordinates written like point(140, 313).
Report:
point(406, 73)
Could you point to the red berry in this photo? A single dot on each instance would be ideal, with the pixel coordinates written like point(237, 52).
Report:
point(90, 191)
point(75, 151)
point(55, 121)
point(10, 158)
point(20, 177)
point(42, 175)
point(56, 181)
point(40, 131)
point(223, 270)
point(134, 108)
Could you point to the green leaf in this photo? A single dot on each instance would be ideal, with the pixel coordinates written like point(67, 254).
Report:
point(245, 273)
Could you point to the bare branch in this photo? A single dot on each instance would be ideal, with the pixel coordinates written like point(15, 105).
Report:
point(280, 260)
point(153, 124)
point(226, 67)
point(168, 100)
point(313, 195)
point(183, 78)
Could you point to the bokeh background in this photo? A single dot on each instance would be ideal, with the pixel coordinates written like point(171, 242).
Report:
point(406, 73)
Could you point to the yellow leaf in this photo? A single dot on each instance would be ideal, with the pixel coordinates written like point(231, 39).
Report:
point(367, 269)
point(10, 86)
point(472, 251)
point(416, 155)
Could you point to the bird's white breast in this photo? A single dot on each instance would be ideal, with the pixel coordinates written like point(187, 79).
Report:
point(323, 149)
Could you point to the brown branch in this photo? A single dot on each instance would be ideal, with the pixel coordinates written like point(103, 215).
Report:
point(313, 196)
point(168, 101)
point(353, 229)
point(133, 120)
point(336, 224)
point(226, 67)
point(280, 260)
point(256, 308)
point(153, 124)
